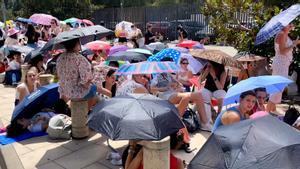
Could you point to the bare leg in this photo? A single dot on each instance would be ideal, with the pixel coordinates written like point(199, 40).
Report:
point(197, 98)
point(271, 107)
point(180, 101)
point(220, 103)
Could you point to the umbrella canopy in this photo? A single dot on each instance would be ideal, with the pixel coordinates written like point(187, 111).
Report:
point(117, 48)
point(142, 51)
point(155, 46)
point(88, 22)
point(272, 83)
point(98, 45)
point(276, 24)
point(145, 117)
point(188, 44)
point(166, 53)
point(126, 24)
point(250, 144)
point(73, 21)
point(127, 56)
point(181, 49)
point(24, 20)
point(148, 68)
point(120, 62)
point(216, 56)
point(33, 54)
point(248, 57)
point(42, 19)
point(17, 48)
point(43, 97)
point(85, 34)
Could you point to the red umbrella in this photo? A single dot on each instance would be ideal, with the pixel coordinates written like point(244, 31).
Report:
point(98, 45)
point(87, 22)
point(188, 44)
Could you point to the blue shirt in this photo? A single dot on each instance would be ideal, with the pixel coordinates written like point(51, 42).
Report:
point(218, 121)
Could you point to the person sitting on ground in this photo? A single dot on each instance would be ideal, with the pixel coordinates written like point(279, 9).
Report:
point(134, 85)
point(170, 89)
point(185, 74)
point(54, 29)
point(29, 85)
point(182, 33)
point(12, 37)
point(13, 68)
point(132, 157)
point(239, 113)
point(149, 36)
point(261, 95)
point(215, 76)
point(75, 74)
point(110, 83)
point(247, 72)
point(135, 35)
point(32, 36)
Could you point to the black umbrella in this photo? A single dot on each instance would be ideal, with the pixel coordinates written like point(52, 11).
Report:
point(127, 56)
point(251, 144)
point(8, 50)
point(33, 54)
point(135, 117)
point(86, 34)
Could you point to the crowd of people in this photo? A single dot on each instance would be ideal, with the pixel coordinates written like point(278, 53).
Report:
point(75, 75)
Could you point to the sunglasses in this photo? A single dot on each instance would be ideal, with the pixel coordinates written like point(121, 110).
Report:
point(185, 63)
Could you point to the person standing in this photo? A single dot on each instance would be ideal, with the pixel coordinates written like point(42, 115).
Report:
point(283, 57)
point(149, 36)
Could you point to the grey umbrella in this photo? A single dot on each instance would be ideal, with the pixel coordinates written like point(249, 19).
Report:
point(135, 117)
point(251, 144)
point(86, 34)
point(127, 56)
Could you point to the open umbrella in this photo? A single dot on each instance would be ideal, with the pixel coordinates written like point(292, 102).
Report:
point(43, 97)
point(24, 20)
point(126, 24)
point(85, 34)
point(148, 68)
point(142, 51)
point(273, 84)
point(181, 49)
point(17, 48)
point(127, 56)
point(42, 19)
point(276, 24)
point(248, 57)
point(195, 65)
point(117, 48)
point(264, 142)
point(135, 117)
point(166, 53)
point(188, 44)
point(98, 45)
point(216, 56)
point(32, 54)
point(155, 46)
point(73, 21)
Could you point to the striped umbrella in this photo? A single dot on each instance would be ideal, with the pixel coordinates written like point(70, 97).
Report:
point(166, 53)
point(148, 68)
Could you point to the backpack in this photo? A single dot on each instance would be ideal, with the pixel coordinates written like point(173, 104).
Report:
point(190, 120)
point(291, 115)
point(59, 127)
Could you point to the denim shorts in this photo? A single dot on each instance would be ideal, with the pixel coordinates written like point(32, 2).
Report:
point(92, 92)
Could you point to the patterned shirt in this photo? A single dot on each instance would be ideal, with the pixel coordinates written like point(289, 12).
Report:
point(73, 71)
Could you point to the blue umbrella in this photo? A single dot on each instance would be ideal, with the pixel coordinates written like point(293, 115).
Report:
point(273, 84)
point(276, 24)
point(24, 20)
point(166, 53)
point(148, 68)
point(43, 97)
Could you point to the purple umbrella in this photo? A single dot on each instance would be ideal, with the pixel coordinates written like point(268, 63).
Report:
point(116, 49)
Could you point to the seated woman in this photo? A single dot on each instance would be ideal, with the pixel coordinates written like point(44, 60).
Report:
point(110, 84)
point(29, 85)
point(13, 69)
point(248, 72)
point(215, 76)
point(185, 74)
point(171, 90)
point(37, 64)
point(135, 85)
point(261, 95)
point(239, 113)
point(133, 155)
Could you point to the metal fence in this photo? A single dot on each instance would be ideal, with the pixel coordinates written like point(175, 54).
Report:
point(164, 19)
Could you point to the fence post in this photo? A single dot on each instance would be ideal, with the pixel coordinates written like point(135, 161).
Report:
point(156, 154)
point(79, 112)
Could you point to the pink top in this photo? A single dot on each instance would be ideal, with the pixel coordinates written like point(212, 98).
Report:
point(73, 71)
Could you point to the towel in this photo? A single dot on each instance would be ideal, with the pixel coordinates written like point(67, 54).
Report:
point(8, 140)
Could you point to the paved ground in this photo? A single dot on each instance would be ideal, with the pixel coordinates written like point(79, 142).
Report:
point(43, 153)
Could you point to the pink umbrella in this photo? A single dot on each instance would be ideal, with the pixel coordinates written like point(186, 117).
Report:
point(258, 114)
point(188, 44)
point(87, 22)
point(42, 19)
point(116, 49)
point(98, 45)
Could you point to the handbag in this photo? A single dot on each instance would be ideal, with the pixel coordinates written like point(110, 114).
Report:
point(291, 115)
point(190, 120)
point(59, 127)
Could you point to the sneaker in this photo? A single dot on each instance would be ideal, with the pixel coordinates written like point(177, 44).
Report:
point(206, 127)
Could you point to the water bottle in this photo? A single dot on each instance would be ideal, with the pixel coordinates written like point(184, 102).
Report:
point(14, 79)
